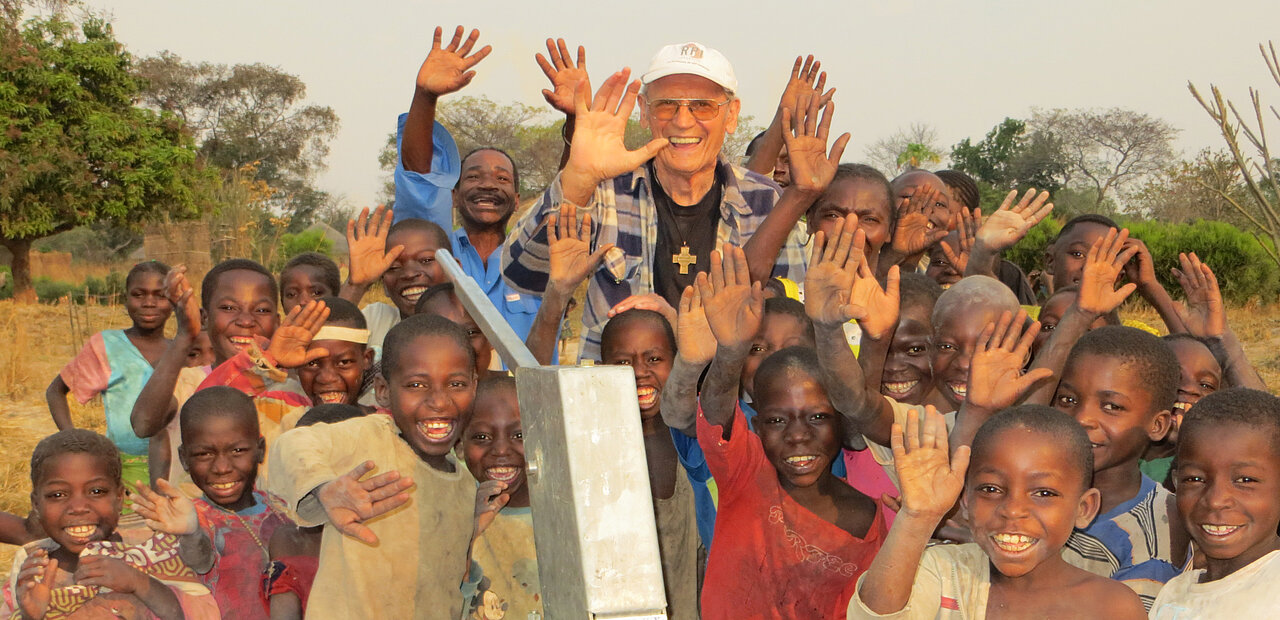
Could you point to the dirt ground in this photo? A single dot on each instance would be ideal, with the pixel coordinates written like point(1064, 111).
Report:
point(36, 340)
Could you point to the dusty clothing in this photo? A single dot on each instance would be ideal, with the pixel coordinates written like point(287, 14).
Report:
point(239, 553)
point(884, 454)
point(421, 556)
point(953, 581)
point(508, 564)
point(1250, 592)
point(678, 545)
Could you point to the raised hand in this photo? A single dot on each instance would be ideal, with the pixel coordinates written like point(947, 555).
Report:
point(598, 152)
point(966, 233)
point(289, 344)
point(1103, 263)
point(807, 79)
point(182, 297)
point(874, 308)
point(734, 305)
point(564, 74)
point(694, 341)
point(367, 246)
point(491, 496)
point(812, 168)
point(1010, 223)
point(1204, 315)
point(995, 374)
point(569, 242)
point(915, 232)
point(833, 266)
point(929, 479)
point(448, 69)
point(1141, 268)
point(166, 509)
point(349, 501)
point(35, 583)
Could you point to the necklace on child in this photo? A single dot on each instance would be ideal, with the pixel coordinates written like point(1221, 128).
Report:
point(265, 554)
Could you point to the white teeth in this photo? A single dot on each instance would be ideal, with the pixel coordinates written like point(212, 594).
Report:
point(1012, 542)
point(222, 486)
point(436, 430)
point(240, 340)
point(412, 293)
point(685, 140)
point(647, 396)
point(80, 531)
point(960, 389)
point(801, 461)
point(503, 474)
point(1219, 530)
point(1181, 405)
point(332, 398)
point(900, 387)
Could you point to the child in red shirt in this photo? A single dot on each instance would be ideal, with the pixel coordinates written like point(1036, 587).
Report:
point(789, 534)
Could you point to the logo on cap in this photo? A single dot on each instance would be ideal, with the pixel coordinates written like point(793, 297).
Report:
point(691, 49)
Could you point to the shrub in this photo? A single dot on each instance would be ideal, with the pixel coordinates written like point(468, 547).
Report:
point(50, 291)
point(292, 245)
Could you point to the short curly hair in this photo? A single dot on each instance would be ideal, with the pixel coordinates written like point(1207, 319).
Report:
point(75, 441)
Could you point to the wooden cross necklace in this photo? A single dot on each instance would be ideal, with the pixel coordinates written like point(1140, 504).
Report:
point(684, 258)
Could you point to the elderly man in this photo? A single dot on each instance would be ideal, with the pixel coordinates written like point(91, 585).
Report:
point(667, 205)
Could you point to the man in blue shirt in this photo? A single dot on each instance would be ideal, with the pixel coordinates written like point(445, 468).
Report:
point(432, 181)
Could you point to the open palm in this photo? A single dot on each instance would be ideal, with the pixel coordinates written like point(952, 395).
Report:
point(874, 308)
point(448, 69)
point(1010, 223)
point(563, 73)
point(929, 478)
point(166, 509)
point(1104, 261)
point(570, 256)
point(367, 246)
point(694, 340)
point(598, 151)
point(289, 344)
point(733, 304)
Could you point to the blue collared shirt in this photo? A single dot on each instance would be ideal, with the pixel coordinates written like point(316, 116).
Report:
point(430, 197)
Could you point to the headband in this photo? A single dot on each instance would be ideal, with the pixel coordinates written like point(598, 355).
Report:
point(347, 334)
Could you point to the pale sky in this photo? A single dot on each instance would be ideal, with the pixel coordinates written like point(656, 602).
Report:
point(959, 66)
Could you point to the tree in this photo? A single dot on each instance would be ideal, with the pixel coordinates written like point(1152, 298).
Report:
point(1108, 151)
point(1202, 188)
point(76, 150)
point(920, 141)
point(248, 115)
point(1010, 157)
point(1259, 168)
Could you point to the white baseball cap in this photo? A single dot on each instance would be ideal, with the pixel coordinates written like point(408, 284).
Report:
point(693, 59)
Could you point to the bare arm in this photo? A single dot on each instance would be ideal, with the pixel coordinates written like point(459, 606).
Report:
point(812, 169)
point(446, 70)
point(695, 348)
point(1206, 318)
point(1005, 228)
point(1097, 296)
point(806, 77)
point(56, 396)
point(572, 261)
point(734, 307)
point(155, 404)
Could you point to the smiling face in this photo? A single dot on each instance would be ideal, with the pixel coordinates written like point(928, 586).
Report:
point(1228, 479)
point(1108, 397)
point(222, 454)
point(777, 332)
point(447, 305)
point(1067, 256)
point(301, 284)
point(146, 302)
point(430, 393)
point(643, 346)
point(799, 429)
point(337, 377)
point(695, 145)
point(486, 192)
point(864, 197)
point(1024, 498)
point(955, 341)
point(414, 271)
point(1054, 308)
point(242, 309)
point(908, 376)
point(493, 444)
point(76, 502)
point(1201, 373)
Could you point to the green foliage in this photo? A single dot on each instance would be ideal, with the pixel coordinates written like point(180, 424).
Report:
point(1010, 158)
point(76, 150)
point(915, 154)
point(1244, 270)
point(96, 243)
point(312, 240)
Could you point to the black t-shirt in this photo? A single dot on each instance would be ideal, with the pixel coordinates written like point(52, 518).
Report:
point(679, 225)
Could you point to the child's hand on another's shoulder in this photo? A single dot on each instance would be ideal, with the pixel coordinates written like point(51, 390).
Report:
point(930, 478)
point(491, 496)
point(349, 501)
point(111, 573)
point(367, 246)
point(166, 509)
point(734, 305)
point(996, 380)
point(289, 344)
point(1104, 262)
point(35, 584)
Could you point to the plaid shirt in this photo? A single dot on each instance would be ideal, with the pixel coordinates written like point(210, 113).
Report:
point(623, 213)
